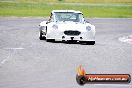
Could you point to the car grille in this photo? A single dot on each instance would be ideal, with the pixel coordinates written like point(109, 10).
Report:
point(72, 32)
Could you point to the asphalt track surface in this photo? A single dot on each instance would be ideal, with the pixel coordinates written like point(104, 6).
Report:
point(27, 62)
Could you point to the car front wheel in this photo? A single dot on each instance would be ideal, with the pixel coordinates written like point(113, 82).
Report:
point(88, 42)
point(50, 40)
point(41, 37)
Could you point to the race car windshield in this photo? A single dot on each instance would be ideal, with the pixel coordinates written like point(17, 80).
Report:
point(68, 16)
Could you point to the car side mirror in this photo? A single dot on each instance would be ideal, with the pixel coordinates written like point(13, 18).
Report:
point(86, 21)
point(47, 22)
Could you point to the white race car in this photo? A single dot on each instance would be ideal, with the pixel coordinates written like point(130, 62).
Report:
point(67, 25)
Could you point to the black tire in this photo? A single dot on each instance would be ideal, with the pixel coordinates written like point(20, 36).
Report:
point(88, 42)
point(41, 37)
point(81, 80)
point(50, 40)
point(71, 41)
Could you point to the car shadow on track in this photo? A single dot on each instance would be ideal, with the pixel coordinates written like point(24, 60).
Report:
point(70, 42)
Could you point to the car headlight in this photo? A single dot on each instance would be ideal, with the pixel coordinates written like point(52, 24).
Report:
point(55, 26)
point(88, 28)
point(42, 27)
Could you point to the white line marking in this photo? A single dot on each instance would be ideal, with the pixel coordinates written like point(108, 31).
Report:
point(10, 54)
point(2, 62)
point(19, 48)
point(8, 57)
point(127, 39)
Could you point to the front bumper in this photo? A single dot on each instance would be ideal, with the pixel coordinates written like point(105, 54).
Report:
point(61, 36)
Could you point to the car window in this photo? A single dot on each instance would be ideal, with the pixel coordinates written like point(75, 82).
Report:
point(68, 16)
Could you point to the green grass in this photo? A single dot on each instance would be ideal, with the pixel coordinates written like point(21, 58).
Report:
point(80, 1)
point(44, 9)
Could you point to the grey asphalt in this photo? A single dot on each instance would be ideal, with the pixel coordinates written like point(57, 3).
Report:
point(27, 62)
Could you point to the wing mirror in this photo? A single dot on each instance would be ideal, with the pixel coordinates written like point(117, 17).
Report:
point(86, 21)
point(47, 22)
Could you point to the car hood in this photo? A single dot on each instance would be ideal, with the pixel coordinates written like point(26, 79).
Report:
point(71, 26)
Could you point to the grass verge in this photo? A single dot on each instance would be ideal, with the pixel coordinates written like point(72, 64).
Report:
point(44, 9)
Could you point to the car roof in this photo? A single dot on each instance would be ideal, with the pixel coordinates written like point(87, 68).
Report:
point(74, 11)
